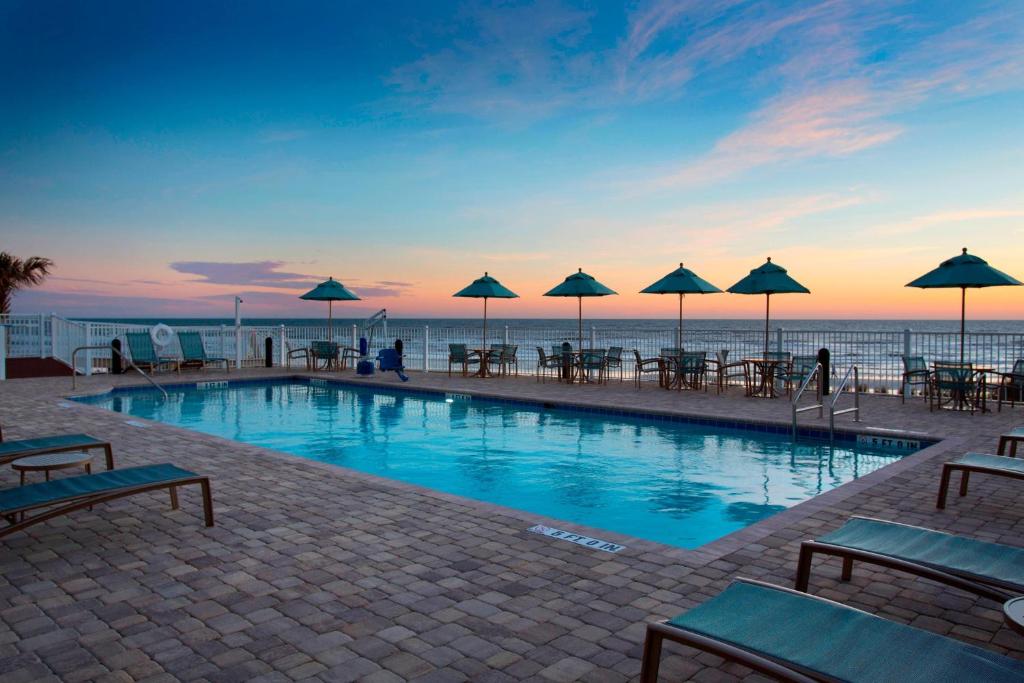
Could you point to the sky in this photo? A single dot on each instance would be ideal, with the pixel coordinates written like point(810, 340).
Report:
point(168, 156)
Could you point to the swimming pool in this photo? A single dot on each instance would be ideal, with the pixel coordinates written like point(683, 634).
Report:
point(669, 481)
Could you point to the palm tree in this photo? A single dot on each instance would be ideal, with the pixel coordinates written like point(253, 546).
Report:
point(16, 274)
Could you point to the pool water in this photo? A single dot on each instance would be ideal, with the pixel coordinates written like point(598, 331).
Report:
point(668, 481)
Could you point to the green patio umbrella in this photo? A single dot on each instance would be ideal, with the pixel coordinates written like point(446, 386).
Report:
point(681, 281)
point(963, 271)
point(579, 285)
point(768, 279)
point(486, 288)
point(330, 291)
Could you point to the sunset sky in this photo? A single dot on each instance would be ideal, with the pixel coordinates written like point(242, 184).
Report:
point(168, 156)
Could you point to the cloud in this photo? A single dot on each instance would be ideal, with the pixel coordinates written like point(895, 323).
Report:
point(261, 273)
point(945, 218)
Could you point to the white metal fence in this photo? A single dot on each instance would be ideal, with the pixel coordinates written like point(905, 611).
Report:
point(877, 354)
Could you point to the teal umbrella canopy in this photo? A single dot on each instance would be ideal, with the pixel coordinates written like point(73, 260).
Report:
point(964, 270)
point(486, 287)
point(330, 290)
point(769, 278)
point(579, 285)
point(681, 281)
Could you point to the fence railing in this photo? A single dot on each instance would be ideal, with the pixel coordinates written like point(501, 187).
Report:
point(877, 354)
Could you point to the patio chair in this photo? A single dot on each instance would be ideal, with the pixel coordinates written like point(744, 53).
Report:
point(612, 360)
point(54, 443)
point(915, 373)
point(193, 355)
point(725, 371)
point(458, 354)
point(326, 352)
point(144, 356)
point(991, 570)
point(983, 463)
point(592, 361)
point(647, 366)
point(792, 636)
point(1011, 385)
point(301, 352)
point(62, 496)
point(955, 383)
point(546, 362)
point(801, 367)
point(691, 370)
point(504, 356)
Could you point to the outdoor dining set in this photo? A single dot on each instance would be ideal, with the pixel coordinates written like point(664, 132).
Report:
point(962, 385)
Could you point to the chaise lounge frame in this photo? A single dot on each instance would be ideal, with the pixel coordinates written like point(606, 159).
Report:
point(86, 443)
point(965, 470)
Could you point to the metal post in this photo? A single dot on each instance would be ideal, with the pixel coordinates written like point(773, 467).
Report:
point(88, 354)
point(282, 353)
point(778, 340)
point(506, 335)
point(3, 351)
point(426, 348)
point(42, 335)
point(238, 347)
point(593, 338)
point(355, 337)
point(906, 352)
point(53, 336)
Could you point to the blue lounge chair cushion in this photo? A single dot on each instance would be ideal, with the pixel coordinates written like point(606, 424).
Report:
point(838, 641)
point(8, 448)
point(993, 561)
point(999, 462)
point(70, 488)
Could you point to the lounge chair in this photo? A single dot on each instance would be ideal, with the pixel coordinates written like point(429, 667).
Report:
point(193, 354)
point(793, 636)
point(61, 496)
point(144, 356)
point(915, 373)
point(1011, 439)
point(54, 443)
point(458, 354)
point(991, 570)
point(983, 463)
point(1011, 385)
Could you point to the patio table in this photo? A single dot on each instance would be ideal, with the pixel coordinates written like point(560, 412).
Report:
point(760, 376)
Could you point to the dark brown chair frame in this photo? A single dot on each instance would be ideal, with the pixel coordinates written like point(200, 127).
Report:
point(983, 586)
point(640, 368)
point(1010, 440)
point(68, 505)
point(660, 631)
point(965, 476)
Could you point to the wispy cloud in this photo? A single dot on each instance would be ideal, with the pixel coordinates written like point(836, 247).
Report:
point(261, 273)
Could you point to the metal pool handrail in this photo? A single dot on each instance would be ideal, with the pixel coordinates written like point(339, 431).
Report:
point(816, 372)
point(110, 347)
point(832, 412)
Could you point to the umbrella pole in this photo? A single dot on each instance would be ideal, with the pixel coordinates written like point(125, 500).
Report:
point(963, 313)
point(580, 300)
point(767, 309)
point(484, 347)
point(330, 321)
point(679, 333)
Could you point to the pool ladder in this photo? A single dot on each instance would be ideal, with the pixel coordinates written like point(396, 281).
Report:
point(821, 402)
point(112, 349)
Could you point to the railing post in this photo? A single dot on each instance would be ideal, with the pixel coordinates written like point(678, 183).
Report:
point(778, 340)
point(238, 347)
point(88, 354)
point(906, 352)
point(3, 352)
point(42, 335)
point(53, 336)
point(426, 348)
point(506, 335)
point(355, 337)
point(282, 354)
point(593, 337)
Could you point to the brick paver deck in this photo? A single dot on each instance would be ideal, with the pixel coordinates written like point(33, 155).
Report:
point(318, 572)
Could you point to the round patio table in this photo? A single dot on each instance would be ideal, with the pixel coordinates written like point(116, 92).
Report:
point(49, 462)
point(1013, 614)
point(484, 371)
point(763, 371)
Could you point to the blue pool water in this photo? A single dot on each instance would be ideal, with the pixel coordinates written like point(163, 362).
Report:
point(667, 481)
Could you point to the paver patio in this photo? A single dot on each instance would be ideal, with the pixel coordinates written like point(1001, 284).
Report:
point(318, 572)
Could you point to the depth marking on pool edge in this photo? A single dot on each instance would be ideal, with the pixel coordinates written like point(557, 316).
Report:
point(888, 442)
point(585, 541)
point(211, 385)
point(458, 397)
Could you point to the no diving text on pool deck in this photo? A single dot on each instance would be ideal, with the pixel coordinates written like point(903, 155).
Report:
point(578, 539)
